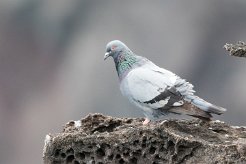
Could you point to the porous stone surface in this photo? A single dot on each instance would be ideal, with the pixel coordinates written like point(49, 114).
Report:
point(99, 139)
point(238, 49)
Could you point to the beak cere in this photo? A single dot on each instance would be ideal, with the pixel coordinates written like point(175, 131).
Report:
point(106, 55)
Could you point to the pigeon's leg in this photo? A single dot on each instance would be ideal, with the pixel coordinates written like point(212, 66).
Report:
point(146, 121)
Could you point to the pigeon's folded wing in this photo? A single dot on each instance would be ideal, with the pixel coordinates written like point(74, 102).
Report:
point(153, 87)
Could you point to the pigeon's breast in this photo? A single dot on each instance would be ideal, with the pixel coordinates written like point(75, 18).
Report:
point(141, 85)
point(124, 86)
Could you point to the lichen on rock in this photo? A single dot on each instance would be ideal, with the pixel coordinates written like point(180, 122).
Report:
point(103, 139)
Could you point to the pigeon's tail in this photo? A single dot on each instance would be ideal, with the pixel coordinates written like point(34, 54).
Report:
point(204, 105)
point(186, 89)
point(192, 110)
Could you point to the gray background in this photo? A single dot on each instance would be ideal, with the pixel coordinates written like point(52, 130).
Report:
point(52, 68)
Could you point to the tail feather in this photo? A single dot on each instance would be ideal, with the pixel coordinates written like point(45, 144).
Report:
point(206, 106)
point(216, 109)
point(192, 110)
point(186, 90)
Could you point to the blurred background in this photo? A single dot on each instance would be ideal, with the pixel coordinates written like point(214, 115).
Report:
point(52, 68)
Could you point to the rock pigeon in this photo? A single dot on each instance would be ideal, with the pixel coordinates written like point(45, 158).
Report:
point(155, 90)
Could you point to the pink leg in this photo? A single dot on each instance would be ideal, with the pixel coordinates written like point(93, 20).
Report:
point(146, 121)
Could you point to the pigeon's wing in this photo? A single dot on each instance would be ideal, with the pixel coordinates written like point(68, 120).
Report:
point(153, 87)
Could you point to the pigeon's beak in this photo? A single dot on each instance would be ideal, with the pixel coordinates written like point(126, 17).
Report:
point(106, 55)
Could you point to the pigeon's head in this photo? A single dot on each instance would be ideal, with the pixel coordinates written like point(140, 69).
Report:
point(114, 48)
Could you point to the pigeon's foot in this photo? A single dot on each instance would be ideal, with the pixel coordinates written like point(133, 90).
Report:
point(146, 121)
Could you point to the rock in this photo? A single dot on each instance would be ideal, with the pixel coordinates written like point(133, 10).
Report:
point(103, 139)
point(238, 49)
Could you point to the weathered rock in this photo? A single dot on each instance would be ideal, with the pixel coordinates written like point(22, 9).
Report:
point(238, 49)
point(103, 139)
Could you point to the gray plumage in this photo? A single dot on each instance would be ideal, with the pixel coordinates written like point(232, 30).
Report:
point(155, 90)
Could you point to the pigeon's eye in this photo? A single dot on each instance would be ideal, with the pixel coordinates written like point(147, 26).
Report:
point(113, 47)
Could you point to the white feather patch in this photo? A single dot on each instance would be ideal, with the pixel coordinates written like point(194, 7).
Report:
point(157, 104)
point(179, 103)
point(164, 102)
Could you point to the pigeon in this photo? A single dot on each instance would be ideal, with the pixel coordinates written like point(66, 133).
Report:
point(155, 90)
